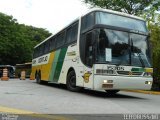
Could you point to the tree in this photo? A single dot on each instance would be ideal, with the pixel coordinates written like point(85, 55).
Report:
point(128, 6)
point(17, 40)
point(153, 21)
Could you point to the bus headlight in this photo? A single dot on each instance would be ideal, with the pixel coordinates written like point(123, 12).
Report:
point(148, 82)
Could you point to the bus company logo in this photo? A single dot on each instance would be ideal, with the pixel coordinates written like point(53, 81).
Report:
point(118, 68)
point(43, 59)
point(40, 60)
point(86, 77)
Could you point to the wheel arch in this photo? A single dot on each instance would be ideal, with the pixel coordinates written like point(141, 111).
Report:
point(71, 69)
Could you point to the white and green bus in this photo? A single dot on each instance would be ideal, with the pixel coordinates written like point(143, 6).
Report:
point(101, 50)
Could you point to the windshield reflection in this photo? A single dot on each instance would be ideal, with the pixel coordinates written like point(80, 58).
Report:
point(123, 52)
point(139, 50)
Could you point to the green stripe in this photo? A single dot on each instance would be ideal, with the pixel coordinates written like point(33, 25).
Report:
point(60, 64)
point(137, 69)
point(53, 68)
point(57, 64)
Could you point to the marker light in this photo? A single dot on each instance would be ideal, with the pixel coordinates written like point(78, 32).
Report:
point(107, 81)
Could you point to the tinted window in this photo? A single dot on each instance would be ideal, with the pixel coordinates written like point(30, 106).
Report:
point(71, 34)
point(41, 49)
point(86, 48)
point(52, 43)
point(46, 47)
point(117, 42)
point(60, 40)
point(139, 51)
point(36, 52)
point(87, 21)
point(120, 21)
point(68, 35)
point(74, 32)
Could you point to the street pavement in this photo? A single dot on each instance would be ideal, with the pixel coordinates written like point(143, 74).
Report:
point(55, 101)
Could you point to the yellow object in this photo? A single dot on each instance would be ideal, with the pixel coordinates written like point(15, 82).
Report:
point(86, 77)
point(149, 70)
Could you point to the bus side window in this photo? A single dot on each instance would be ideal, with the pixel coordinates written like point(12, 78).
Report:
point(60, 40)
point(46, 47)
point(74, 32)
point(87, 21)
point(52, 44)
point(71, 34)
point(68, 35)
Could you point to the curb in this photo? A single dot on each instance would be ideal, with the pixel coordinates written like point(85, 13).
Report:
point(144, 92)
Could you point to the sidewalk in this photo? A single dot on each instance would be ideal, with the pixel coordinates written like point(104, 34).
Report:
point(144, 91)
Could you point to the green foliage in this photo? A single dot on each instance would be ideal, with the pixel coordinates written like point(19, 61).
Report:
point(154, 27)
point(17, 40)
point(128, 6)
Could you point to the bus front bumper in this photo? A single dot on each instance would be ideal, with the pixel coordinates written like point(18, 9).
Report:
point(122, 82)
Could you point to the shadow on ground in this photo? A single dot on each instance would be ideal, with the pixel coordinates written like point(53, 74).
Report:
point(91, 92)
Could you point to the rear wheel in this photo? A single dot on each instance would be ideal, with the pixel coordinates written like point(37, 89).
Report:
point(38, 78)
point(71, 82)
point(112, 92)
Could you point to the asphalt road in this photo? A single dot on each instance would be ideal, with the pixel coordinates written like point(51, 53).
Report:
point(25, 96)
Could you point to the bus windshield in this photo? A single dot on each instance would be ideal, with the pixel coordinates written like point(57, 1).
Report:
point(120, 21)
point(122, 48)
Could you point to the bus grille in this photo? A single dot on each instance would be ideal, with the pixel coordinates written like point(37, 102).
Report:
point(101, 71)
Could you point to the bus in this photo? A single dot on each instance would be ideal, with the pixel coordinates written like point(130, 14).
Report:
point(10, 68)
point(102, 50)
point(23, 67)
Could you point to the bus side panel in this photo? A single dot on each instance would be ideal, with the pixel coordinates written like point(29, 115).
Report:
point(57, 65)
point(60, 64)
point(45, 69)
point(34, 69)
point(53, 66)
point(42, 65)
point(72, 60)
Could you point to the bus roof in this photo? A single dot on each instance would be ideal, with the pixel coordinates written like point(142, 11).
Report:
point(94, 10)
point(114, 12)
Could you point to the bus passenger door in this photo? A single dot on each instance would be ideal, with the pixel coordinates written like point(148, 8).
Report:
point(88, 59)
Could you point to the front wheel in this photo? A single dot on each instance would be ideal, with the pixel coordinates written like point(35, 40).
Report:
point(112, 92)
point(71, 82)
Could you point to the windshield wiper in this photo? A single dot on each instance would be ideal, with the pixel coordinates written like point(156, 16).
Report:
point(141, 60)
point(138, 52)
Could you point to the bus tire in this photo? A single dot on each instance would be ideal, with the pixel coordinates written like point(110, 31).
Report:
point(71, 82)
point(112, 92)
point(38, 78)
